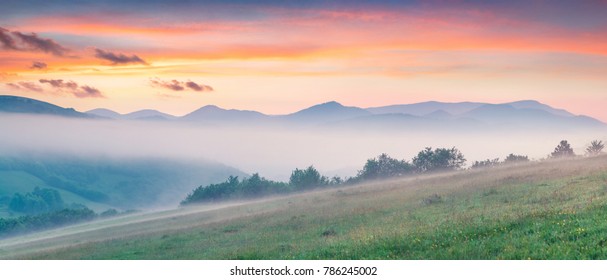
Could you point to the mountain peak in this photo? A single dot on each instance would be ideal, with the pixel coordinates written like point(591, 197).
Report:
point(211, 107)
point(331, 104)
point(212, 112)
point(328, 111)
point(148, 114)
point(526, 102)
point(104, 113)
point(533, 104)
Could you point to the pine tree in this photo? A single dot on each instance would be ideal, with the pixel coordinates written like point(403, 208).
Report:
point(563, 150)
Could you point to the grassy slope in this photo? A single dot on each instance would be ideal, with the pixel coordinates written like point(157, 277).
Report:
point(103, 183)
point(551, 210)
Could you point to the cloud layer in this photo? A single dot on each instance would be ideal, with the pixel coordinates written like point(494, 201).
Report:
point(176, 85)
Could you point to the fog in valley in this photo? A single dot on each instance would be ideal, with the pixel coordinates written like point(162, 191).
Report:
point(273, 149)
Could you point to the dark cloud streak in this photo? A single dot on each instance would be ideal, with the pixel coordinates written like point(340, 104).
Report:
point(118, 58)
point(33, 42)
point(15, 40)
point(6, 40)
point(38, 65)
point(72, 87)
point(87, 91)
point(172, 85)
point(59, 83)
point(176, 85)
point(25, 86)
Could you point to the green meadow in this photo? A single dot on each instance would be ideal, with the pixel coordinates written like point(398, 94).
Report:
point(540, 210)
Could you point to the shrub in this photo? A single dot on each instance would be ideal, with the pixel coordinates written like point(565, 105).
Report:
point(486, 163)
point(512, 158)
point(433, 199)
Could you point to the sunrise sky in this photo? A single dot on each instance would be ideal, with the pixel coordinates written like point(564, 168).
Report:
point(176, 56)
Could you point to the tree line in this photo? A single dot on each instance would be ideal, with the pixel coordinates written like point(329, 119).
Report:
point(562, 150)
point(44, 208)
point(427, 160)
point(383, 166)
point(29, 223)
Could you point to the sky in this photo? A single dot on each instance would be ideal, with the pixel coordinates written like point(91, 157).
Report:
point(278, 57)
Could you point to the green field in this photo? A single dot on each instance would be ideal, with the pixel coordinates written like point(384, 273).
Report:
point(546, 210)
point(12, 182)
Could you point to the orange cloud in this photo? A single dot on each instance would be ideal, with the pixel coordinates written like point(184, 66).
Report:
point(345, 37)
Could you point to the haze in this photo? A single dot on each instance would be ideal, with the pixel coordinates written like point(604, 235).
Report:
point(272, 150)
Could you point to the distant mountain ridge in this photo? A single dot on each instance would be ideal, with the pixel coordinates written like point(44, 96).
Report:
point(16, 104)
point(425, 108)
point(432, 114)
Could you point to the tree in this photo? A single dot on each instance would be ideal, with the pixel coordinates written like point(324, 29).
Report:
point(336, 180)
point(563, 149)
point(440, 159)
point(384, 167)
point(51, 197)
point(109, 213)
point(36, 202)
point(595, 148)
point(253, 186)
point(307, 178)
point(512, 158)
point(213, 192)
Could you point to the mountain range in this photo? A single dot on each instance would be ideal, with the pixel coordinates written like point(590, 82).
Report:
point(432, 114)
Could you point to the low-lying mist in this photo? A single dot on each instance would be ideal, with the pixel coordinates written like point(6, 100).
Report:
point(273, 150)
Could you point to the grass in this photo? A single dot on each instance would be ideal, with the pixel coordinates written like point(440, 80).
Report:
point(548, 210)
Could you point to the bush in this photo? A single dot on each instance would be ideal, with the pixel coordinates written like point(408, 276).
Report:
point(486, 163)
point(44, 221)
point(512, 158)
point(433, 199)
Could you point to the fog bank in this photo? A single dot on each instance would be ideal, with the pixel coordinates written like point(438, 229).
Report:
point(272, 150)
